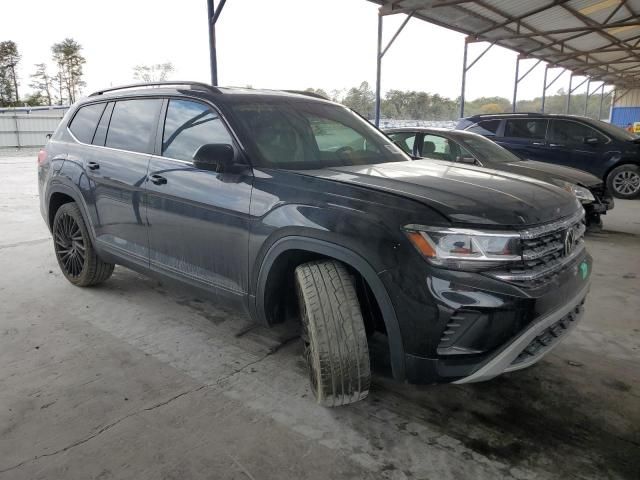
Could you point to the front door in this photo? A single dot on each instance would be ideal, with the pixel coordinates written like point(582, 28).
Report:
point(117, 175)
point(198, 219)
point(576, 145)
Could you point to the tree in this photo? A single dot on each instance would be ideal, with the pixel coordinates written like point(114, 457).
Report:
point(36, 99)
point(69, 61)
point(361, 99)
point(153, 73)
point(9, 59)
point(318, 91)
point(42, 83)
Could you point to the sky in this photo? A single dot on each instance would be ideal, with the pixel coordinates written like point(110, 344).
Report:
point(287, 44)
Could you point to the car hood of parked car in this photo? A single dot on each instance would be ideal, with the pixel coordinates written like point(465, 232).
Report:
point(548, 172)
point(463, 193)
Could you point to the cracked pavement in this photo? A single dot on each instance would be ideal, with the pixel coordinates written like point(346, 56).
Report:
point(135, 379)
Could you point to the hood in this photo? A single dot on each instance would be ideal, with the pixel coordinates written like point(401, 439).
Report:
point(463, 193)
point(548, 172)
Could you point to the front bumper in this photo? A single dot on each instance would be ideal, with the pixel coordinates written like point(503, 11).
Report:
point(467, 327)
point(534, 343)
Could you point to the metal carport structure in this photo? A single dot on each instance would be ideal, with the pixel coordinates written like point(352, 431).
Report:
point(595, 39)
point(598, 40)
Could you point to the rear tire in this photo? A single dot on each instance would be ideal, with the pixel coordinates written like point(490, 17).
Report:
point(624, 181)
point(334, 333)
point(75, 253)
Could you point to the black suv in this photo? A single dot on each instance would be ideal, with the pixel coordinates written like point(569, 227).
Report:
point(608, 152)
point(470, 148)
point(293, 207)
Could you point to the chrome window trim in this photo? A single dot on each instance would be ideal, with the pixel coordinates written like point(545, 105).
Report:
point(104, 146)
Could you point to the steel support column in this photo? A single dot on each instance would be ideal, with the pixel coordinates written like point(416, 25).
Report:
point(212, 18)
point(466, 68)
point(464, 77)
point(518, 79)
point(573, 89)
point(586, 97)
point(515, 85)
point(601, 100)
point(569, 94)
point(378, 70)
point(380, 54)
point(547, 86)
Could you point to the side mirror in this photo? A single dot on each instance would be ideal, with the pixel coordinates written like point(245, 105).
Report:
point(217, 157)
point(591, 140)
point(468, 160)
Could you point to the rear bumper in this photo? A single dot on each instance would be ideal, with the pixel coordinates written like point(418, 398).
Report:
point(534, 343)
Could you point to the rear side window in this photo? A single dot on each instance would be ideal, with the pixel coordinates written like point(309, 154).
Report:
point(188, 126)
point(487, 128)
point(84, 123)
point(133, 125)
point(526, 128)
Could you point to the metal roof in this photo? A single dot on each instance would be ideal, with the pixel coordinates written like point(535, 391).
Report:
point(595, 38)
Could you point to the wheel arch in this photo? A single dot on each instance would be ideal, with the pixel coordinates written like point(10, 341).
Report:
point(315, 248)
point(620, 163)
point(59, 194)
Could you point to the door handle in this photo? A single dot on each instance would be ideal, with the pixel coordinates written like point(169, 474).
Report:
point(537, 143)
point(158, 179)
point(93, 165)
point(556, 145)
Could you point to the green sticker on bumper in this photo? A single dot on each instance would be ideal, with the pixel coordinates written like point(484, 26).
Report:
point(584, 270)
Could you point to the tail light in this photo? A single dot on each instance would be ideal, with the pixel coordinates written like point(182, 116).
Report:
point(42, 156)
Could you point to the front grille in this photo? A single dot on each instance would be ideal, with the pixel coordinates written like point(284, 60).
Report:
point(549, 336)
point(546, 251)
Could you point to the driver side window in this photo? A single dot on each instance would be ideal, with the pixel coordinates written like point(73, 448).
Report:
point(332, 136)
point(572, 133)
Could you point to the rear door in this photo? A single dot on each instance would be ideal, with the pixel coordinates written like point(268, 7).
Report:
point(198, 219)
point(117, 173)
point(525, 137)
point(569, 144)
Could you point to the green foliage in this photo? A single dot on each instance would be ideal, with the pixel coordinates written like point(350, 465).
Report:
point(9, 59)
point(318, 91)
point(36, 99)
point(414, 105)
point(361, 99)
point(69, 61)
point(42, 84)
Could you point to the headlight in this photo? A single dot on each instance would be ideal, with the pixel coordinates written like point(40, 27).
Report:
point(463, 249)
point(581, 193)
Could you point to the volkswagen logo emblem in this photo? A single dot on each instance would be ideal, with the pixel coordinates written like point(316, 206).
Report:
point(569, 241)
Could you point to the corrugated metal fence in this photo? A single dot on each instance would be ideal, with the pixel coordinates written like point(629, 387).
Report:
point(21, 127)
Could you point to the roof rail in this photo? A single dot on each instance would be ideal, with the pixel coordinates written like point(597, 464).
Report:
point(191, 85)
point(308, 94)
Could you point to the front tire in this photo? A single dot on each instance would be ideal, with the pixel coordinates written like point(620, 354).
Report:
point(624, 181)
point(75, 253)
point(334, 333)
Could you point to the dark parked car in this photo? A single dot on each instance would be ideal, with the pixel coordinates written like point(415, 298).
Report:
point(608, 152)
point(289, 206)
point(470, 148)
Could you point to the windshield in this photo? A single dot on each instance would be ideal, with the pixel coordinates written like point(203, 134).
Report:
point(309, 135)
point(485, 150)
point(613, 130)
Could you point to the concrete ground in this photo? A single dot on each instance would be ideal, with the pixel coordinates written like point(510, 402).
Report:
point(135, 380)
